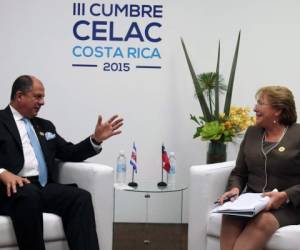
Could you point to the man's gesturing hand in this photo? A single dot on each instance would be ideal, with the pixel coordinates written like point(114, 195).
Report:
point(105, 130)
point(11, 181)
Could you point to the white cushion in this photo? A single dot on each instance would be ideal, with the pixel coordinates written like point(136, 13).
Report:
point(53, 229)
point(214, 224)
point(285, 238)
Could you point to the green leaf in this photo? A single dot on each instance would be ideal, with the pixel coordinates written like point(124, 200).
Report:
point(198, 132)
point(212, 131)
point(207, 115)
point(217, 85)
point(194, 118)
point(231, 78)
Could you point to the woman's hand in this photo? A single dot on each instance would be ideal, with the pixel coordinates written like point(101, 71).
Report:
point(277, 199)
point(231, 195)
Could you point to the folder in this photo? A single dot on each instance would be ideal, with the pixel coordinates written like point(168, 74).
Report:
point(247, 204)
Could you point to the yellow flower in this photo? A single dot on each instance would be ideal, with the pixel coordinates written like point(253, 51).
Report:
point(238, 120)
point(227, 125)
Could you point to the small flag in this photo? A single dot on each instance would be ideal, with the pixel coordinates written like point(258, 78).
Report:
point(165, 159)
point(133, 159)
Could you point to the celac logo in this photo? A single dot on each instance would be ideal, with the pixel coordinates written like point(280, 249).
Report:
point(117, 37)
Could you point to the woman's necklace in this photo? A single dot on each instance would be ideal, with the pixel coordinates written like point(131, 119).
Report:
point(268, 150)
point(265, 152)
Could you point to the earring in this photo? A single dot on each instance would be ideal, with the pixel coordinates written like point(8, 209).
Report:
point(274, 121)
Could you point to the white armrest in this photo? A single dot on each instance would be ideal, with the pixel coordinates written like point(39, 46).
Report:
point(98, 180)
point(207, 183)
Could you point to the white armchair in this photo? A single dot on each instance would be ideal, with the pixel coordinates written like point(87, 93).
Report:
point(207, 183)
point(98, 180)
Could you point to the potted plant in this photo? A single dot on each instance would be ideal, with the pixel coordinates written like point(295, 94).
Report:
point(213, 126)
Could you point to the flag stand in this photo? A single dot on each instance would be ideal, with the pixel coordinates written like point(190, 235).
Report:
point(164, 164)
point(132, 183)
point(133, 162)
point(162, 183)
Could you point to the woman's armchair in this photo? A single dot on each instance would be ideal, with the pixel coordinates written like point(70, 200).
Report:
point(98, 180)
point(207, 183)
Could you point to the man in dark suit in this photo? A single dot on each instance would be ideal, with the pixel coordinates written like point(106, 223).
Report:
point(27, 188)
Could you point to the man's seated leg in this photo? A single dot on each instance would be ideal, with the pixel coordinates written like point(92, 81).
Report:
point(75, 207)
point(25, 209)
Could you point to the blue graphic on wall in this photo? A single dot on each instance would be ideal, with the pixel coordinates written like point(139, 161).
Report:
point(117, 37)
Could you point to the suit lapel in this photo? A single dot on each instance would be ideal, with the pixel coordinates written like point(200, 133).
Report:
point(9, 121)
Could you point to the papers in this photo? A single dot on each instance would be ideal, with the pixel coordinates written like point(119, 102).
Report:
point(247, 204)
point(120, 186)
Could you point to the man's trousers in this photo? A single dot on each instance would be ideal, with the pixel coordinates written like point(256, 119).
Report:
point(72, 204)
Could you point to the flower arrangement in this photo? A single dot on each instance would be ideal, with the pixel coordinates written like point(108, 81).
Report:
point(228, 127)
point(215, 126)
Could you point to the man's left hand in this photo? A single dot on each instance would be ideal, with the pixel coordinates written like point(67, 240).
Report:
point(105, 130)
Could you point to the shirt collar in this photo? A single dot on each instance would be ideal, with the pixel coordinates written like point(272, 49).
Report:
point(17, 116)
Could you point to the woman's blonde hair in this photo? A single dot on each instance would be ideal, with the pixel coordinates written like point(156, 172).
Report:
point(280, 98)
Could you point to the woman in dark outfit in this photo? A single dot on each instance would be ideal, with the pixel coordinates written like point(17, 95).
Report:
point(268, 159)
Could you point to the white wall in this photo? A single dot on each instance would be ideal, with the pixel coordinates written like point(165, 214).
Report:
point(36, 37)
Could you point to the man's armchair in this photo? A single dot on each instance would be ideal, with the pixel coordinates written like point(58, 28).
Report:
point(207, 183)
point(95, 178)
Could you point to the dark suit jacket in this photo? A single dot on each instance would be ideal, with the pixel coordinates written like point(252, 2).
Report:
point(11, 152)
point(283, 164)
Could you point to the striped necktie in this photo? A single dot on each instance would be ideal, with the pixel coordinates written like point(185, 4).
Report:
point(37, 151)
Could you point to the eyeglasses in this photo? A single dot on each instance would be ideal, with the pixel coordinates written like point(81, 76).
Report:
point(260, 103)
